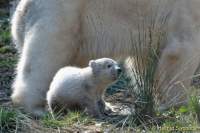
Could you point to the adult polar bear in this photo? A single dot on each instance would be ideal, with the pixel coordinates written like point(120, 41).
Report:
point(55, 33)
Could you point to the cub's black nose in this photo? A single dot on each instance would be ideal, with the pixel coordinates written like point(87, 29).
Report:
point(119, 71)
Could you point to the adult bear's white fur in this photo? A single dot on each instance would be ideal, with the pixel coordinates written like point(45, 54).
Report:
point(83, 87)
point(55, 33)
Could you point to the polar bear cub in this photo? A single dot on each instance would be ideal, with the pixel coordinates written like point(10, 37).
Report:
point(83, 87)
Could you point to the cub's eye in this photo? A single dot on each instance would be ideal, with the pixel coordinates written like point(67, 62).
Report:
point(109, 66)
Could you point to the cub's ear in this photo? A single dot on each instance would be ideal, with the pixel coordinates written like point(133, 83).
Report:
point(94, 66)
point(92, 63)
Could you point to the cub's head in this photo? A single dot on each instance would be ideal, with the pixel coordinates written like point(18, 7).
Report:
point(105, 69)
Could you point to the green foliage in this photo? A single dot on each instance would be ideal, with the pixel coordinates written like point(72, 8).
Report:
point(6, 49)
point(179, 120)
point(5, 36)
point(9, 62)
point(7, 120)
point(194, 105)
point(70, 119)
point(143, 74)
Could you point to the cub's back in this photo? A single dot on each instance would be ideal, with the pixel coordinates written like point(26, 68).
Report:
point(67, 77)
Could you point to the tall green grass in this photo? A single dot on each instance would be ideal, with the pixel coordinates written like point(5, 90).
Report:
point(7, 120)
point(148, 42)
point(72, 118)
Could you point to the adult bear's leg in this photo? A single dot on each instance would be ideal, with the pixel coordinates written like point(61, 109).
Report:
point(45, 50)
point(178, 64)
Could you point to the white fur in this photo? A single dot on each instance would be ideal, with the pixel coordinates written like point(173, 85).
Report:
point(55, 33)
point(83, 86)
